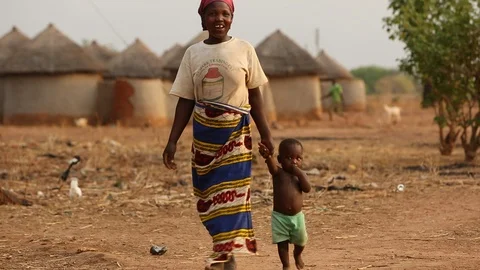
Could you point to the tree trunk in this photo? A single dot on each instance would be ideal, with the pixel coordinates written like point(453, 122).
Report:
point(471, 146)
point(470, 153)
point(447, 144)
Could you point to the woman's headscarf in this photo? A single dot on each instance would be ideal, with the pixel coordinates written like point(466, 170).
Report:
point(205, 3)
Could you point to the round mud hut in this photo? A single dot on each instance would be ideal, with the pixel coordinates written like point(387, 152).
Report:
point(172, 63)
point(132, 93)
point(354, 90)
point(10, 42)
point(171, 100)
point(269, 103)
point(100, 53)
point(49, 80)
point(293, 77)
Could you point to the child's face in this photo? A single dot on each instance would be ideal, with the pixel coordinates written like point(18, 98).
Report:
point(292, 156)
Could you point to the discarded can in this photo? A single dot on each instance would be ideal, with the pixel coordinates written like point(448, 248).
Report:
point(156, 250)
point(400, 188)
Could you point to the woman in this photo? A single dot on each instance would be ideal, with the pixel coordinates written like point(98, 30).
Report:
point(219, 80)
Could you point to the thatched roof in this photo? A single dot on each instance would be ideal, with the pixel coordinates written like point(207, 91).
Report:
point(50, 52)
point(170, 53)
point(137, 61)
point(99, 52)
point(281, 56)
point(11, 42)
point(175, 60)
point(332, 68)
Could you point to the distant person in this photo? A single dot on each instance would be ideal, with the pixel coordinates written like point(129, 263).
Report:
point(337, 100)
point(289, 184)
point(218, 81)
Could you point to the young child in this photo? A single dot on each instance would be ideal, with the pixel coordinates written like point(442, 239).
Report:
point(289, 184)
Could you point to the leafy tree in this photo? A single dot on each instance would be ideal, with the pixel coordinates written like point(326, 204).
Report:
point(442, 45)
point(396, 84)
point(371, 74)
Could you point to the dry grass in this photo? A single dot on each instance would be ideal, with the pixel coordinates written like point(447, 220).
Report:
point(131, 200)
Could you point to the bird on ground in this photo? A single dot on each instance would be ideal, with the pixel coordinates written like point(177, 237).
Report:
point(74, 161)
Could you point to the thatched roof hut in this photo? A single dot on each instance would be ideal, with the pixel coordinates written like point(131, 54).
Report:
point(11, 42)
point(281, 56)
point(50, 79)
point(136, 61)
point(332, 69)
point(99, 52)
point(174, 63)
point(293, 77)
point(354, 91)
point(50, 52)
point(170, 53)
point(133, 92)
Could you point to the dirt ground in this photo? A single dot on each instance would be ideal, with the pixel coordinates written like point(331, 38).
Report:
point(132, 202)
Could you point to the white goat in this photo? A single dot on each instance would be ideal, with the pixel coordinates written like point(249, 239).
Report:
point(393, 113)
point(81, 122)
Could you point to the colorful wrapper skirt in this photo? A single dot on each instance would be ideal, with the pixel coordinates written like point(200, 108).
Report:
point(221, 172)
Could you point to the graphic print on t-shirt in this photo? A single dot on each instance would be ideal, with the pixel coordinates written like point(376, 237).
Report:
point(213, 84)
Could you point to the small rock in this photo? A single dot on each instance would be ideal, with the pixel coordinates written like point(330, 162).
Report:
point(313, 171)
point(374, 185)
point(157, 250)
point(40, 195)
point(70, 143)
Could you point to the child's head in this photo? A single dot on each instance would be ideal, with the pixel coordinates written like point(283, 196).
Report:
point(290, 153)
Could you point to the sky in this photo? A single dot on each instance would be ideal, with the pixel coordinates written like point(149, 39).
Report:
point(351, 31)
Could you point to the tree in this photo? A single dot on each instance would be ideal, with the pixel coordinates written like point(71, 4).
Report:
point(442, 45)
point(371, 74)
point(395, 84)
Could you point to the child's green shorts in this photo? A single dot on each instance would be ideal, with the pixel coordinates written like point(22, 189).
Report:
point(289, 228)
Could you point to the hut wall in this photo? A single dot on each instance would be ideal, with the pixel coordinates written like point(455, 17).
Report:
point(354, 92)
point(55, 99)
point(297, 97)
point(105, 101)
point(139, 102)
point(268, 103)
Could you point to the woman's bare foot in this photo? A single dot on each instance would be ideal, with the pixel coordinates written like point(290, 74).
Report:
point(217, 266)
point(299, 262)
point(286, 268)
point(231, 264)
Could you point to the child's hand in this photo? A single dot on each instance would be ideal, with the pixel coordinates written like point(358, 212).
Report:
point(264, 151)
point(296, 170)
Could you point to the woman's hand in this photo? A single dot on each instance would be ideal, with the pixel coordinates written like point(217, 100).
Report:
point(169, 155)
point(268, 143)
point(264, 151)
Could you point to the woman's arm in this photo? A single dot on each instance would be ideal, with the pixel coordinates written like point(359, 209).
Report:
point(183, 112)
point(258, 115)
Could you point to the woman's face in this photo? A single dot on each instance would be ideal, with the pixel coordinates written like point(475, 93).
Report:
point(218, 19)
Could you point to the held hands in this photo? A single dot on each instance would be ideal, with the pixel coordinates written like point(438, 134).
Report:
point(268, 144)
point(168, 156)
point(264, 151)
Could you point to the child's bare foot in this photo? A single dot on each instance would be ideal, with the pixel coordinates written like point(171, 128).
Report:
point(299, 262)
